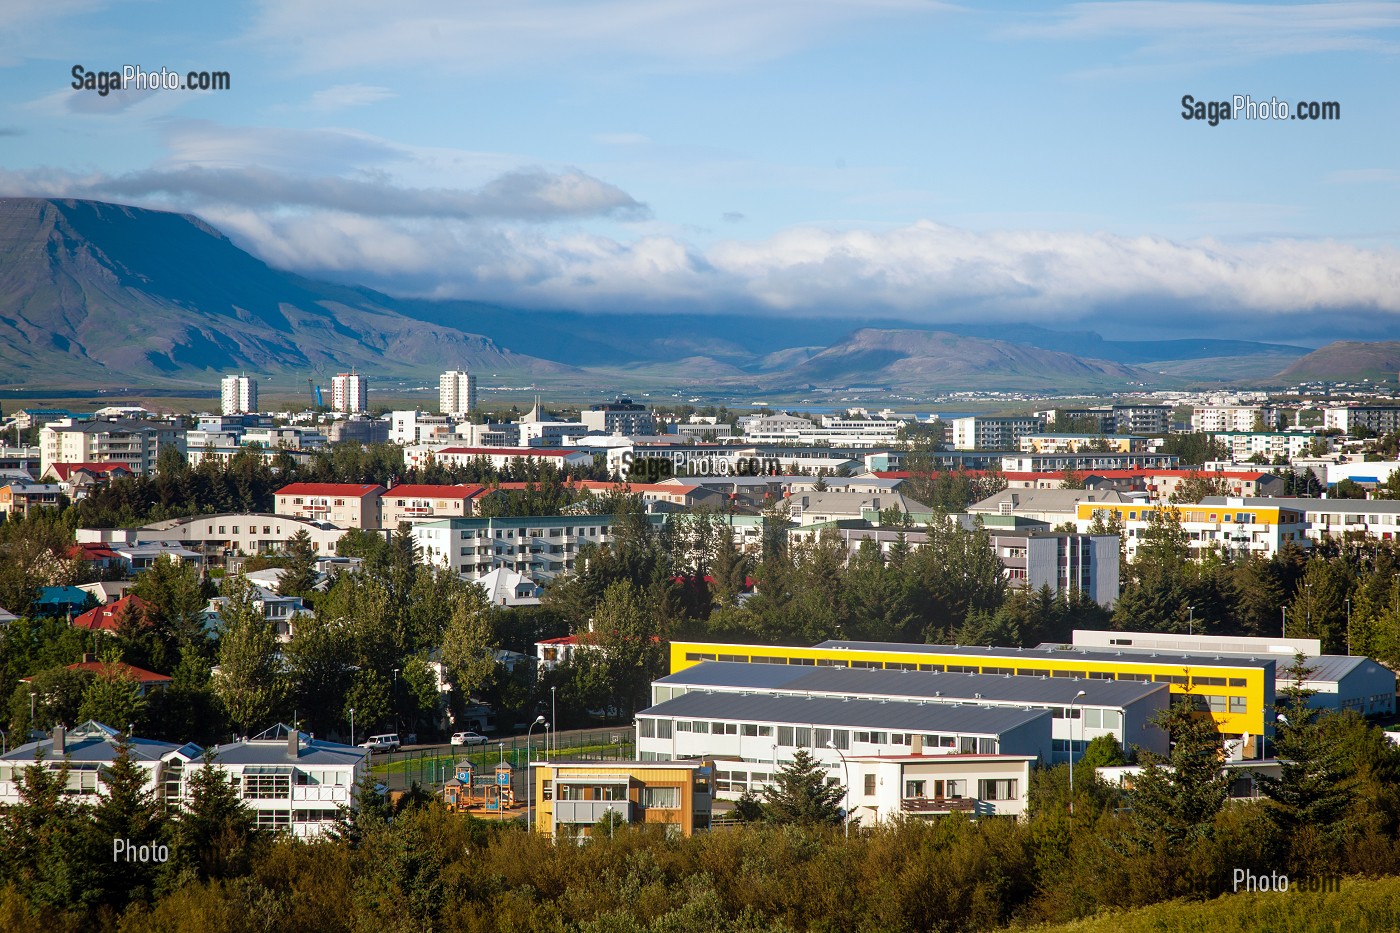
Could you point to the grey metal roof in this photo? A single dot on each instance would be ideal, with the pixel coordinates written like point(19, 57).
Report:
point(1001, 688)
point(311, 752)
point(1158, 655)
point(88, 743)
point(1327, 668)
point(1348, 506)
point(932, 717)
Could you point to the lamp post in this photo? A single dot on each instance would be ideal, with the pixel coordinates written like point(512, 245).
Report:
point(352, 725)
point(1076, 699)
point(1190, 620)
point(553, 723)
point(1307, 591)
point(32, 696)
point(845, 768)
point(529, 784)
point(1285, 621)
point(1348, 626)
point(396, 701)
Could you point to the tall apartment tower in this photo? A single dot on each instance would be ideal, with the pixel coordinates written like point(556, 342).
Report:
point(349, 393)
point(457, 393)
point(239, 395)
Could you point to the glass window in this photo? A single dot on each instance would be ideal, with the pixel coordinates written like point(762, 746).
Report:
point(663, 728)
point(997, 789)
point(646, 728)
point(870, 785)
point(750, 729)
point(967, 745)
point(914, 788)
point(1239, 705)
point(702, 727)
point(1112, 719)
point(785, 736)
point(1093, 718)
point(804, 737)
point(667, 798)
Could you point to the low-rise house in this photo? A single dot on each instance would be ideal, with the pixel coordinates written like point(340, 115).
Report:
point(146, 681)
point(21, 497)
point(293, 782)
point(233, 533)
point(509, 588)
point(88, 751)
point(109, 617)
point(571, 797)
point(278, 611)
point(418, 502)
point(884, 788)
point(78, 480)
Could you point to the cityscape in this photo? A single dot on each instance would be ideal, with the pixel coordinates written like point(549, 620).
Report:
point(873, 466)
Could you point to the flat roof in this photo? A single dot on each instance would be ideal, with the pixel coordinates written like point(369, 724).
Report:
point(1000, 688)
point(1151, 656)
point(1326, 667)
point(924, 717)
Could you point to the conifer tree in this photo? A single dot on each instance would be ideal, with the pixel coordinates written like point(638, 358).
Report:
point(214, 836)
point(1177, 798)
point(128, 812)
point(802, 794)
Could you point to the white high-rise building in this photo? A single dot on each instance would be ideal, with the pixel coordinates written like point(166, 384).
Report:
point(349, 393)
point(457, 393)
point(239, 395)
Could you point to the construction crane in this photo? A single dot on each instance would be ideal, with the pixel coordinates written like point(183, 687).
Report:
point(315, 392)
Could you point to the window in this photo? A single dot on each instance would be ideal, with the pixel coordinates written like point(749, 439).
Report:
point(646, 728)
point(986, 746)
point(785, 736)
point(701, 727)
point(1239, 705)
point(1236, 681)
point(749, 729)
point(804, 737)
point(914, 788)
point(265, 786)
point(765, 731)
point(1217, 704)
point(663, 728)
point(870, 785)
point(967, 745)
point(666, 798)
point(997, 789)
point(273, 819)
point(1112, 719)
point(1093, 719)
point(998, 670)
point(1031, 672)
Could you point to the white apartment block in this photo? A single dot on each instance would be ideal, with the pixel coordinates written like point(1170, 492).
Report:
point(981, 433)
point(350, 393)
point(415, 427)
point(541, 547)
point(136, 444)
point(886, 788)
point(238, 395)
point(620, 417)
point(1215, 419)
point(457, 393)
point(232, 533)
point(1376, 419)
point(1233, 525)
point(1271, 445)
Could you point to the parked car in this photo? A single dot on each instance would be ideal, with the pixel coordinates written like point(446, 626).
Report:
point(468, 738)
point(388, 742)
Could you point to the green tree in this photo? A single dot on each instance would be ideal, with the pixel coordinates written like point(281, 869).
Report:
point(114, 698)
point(57, 695)
point(250, 680)
point(1176, 798)
point(126, 811)
point(214, 836)
point(298, 577)
point(801, 793)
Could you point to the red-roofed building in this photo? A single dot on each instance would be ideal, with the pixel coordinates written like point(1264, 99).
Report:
point(679, 494)
point(108, 618)
point(347, 505)
point(145, 680)
point(416, 502)
point(77, 480)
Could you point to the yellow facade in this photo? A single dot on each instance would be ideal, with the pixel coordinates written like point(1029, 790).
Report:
point(596, 782)
point(1239, 696)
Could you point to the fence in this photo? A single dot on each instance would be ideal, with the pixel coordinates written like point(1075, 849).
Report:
point(430, 768)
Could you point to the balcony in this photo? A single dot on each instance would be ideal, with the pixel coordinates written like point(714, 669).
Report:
point(934, 805)
point(590, 811)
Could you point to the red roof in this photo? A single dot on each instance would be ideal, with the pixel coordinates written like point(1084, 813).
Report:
point(594, 485)
point(120, 669)
point(508, 452)
point(107, 618)
point(63, 470)
point(438, 491)
point(92, 552)
point(350, 490)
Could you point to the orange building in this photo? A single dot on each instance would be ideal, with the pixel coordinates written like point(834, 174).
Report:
point(571, 797)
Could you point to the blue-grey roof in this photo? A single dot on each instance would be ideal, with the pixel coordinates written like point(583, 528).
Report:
point(273, 751)
point(1327, 668)
point(931, 717)
point(1161, 656)
point(90, 743)
point(1000, 688)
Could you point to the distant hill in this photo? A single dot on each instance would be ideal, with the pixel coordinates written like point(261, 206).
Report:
point(938, 359)
point(94, 293)
point(1346, 360)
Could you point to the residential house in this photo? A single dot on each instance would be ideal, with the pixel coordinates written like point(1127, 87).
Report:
point(571, 797)
point(346, 505)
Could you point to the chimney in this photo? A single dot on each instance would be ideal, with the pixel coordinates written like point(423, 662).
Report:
point(89, 657)
point(58, 741)
point(293, 743)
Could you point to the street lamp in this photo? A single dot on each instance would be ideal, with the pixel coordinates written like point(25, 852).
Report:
point(846, 817)
point(32, 696)
point(396, 701)
point(1076, 699)
point(1348, 626)
point(1190, 620)
point(553, 723)
point(352, 725)
point(1285, 621)
point(530, 784)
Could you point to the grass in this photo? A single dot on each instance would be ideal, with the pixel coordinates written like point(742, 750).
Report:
point(1360, 906)
point(485, 761)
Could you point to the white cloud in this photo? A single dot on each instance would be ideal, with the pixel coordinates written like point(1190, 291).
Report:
point(925, 271)
point(345, 96)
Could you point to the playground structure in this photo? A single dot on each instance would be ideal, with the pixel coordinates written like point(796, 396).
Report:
point(491, 793)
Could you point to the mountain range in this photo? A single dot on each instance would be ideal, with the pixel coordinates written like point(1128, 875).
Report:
point(96, 294)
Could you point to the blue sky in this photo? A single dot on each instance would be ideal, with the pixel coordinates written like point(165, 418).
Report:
point(931, 161)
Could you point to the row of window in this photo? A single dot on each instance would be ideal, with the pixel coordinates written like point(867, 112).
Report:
point(811, 737)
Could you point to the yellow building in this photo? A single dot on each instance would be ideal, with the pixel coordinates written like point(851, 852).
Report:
point(1237, 691)
point(1233, 527)
point(571, 797)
